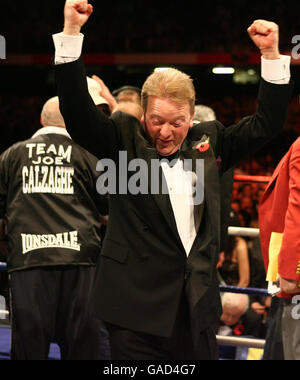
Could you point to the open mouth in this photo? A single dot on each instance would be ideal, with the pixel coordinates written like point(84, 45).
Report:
point(165, 142)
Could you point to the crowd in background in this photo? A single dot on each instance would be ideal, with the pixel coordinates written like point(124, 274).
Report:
point(131, 26)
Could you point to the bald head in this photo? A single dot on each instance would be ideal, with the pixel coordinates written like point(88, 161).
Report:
point(50, 115)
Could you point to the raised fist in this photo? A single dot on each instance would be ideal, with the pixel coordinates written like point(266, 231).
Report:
point(77, 12)
point(265, 35)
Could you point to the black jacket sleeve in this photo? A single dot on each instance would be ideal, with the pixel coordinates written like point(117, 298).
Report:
point(86, 123)
point(251, 133)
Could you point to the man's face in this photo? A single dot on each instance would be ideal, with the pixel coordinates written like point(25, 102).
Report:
point(231, 316)
point(167, 123)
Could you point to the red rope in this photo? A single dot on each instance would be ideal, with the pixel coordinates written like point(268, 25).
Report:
point(249, 178)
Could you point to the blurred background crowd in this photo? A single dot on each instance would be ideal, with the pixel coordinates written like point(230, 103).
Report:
point(162, 26)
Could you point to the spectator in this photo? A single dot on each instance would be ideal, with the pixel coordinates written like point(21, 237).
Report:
point(203, 113)
point(234, 307)
point(127, 98)
point(128, 93)
point(279, 236)
point(47, 192)
point(237, 315)
point(236, 269)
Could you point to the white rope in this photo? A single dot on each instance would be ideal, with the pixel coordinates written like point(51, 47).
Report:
point(4, 313)
point(240, 342)
point(243, 231)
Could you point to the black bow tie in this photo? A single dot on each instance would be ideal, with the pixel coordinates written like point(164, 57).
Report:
point(174, 156)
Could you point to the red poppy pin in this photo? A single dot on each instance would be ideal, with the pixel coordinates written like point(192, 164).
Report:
point(203, 146)
point(239, 330)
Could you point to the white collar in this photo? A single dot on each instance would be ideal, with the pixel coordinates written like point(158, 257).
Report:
point(48, 130)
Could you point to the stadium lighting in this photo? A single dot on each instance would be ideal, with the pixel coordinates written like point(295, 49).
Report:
point(223, 70)
point(158, 69)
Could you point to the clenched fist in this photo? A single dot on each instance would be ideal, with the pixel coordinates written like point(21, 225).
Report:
point(77, 12)
point(265, 35)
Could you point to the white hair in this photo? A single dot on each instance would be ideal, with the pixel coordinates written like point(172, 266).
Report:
point(235, 300)
point(203, 113)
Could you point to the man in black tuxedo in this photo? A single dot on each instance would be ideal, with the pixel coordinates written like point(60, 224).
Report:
point(156, 285)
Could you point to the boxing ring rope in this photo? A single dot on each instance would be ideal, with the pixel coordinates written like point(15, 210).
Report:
point(232, 341)
point(249, 291)
point(251, 178)
point(246, 232)
point(243, 231)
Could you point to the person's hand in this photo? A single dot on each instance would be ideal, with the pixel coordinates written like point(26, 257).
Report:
point(221, 259)
point(258, 308)
point(265, 35)
point(76, 12)
point(268, 302)
point(106, 94)
point(289, 286)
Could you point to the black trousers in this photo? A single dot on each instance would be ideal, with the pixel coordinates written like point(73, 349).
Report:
point(274, 345)
point(50, 304)
point(132, 345)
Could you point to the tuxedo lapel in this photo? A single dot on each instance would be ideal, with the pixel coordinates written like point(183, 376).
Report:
point(205, 242)
point(199, 149)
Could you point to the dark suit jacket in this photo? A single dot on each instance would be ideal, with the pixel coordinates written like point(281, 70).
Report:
point(143, 268)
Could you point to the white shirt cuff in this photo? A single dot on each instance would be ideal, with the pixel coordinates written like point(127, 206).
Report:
point(67, 48)
point(276, 70)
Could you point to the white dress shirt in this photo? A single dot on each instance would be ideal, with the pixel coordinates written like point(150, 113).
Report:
point(68, 48)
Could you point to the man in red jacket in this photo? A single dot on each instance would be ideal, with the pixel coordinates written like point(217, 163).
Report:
point(279, 222)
